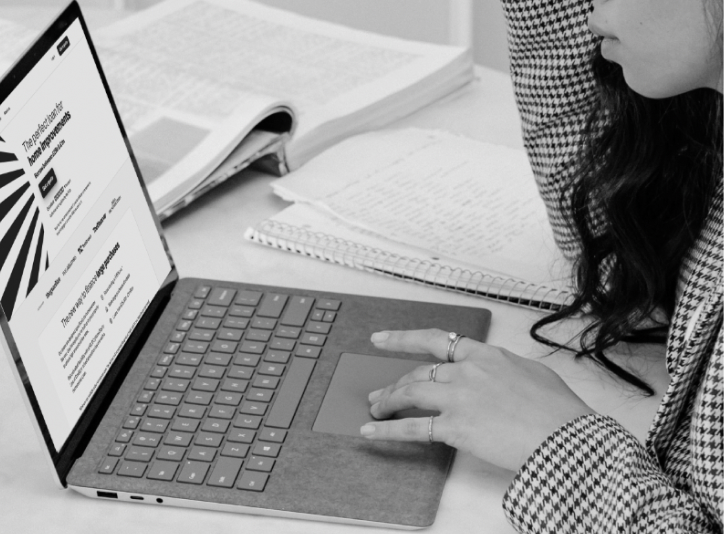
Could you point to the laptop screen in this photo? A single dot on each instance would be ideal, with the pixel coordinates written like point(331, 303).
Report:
point(81, 257)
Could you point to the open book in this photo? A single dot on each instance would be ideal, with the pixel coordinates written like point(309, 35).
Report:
point(425, 206)
point(206, 87)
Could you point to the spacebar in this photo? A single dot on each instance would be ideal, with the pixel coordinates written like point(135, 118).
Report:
point(287, 401)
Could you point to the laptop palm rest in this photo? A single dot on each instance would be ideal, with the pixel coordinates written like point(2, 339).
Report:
point(345, 407)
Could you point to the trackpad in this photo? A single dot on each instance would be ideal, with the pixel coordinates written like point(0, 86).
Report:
point(345, 407)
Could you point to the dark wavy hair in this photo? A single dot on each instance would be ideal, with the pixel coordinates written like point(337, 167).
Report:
point(646, 173)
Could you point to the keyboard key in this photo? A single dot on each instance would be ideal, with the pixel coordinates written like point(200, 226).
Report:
point(182, 424)
point(117, 449)
point(161, 470)
point(263, 323)
point(189, 314)
point(307, 351)
point(234, 450)
point(211, 371)
point(273, 434)
point(221, 296)
point(283, 344)
point(192, 412)
point(252, 481)
point(289, 332)
point(179, 439)
point(253, 408)
point(146, 396)
point(132, 469)
point(241, 311)
point(199, 397)
point(175, 384)
point(165, 359)
point(108, 466)
point(329, 317)
point(208, 439)
point(260, 463)
point(131, 423)
point(318, 315)
point(201, 335)
point(154, 425)
point(202, 454)
point(152, 384)
point(239, 324)
point(124, 436)
point(158, 372)
point(241, 436)
point(196, 304)
point(173, 399)
point(252, 347)
point(171, 348)
point(139, 454)
point(267, 449)
point(247, 421)
point(217, 358)
point(233, 384)
point(139, 409)
point(205, 384)
point(249, 360)
point(297, 312)
point(260, 395)
point(318, 328)
point(202, 292)
point(231, 399)
point(147, 439)
point(227, 347)
point(272, 305)
point(266, 382)
point(196, 347)
point(290, 393)
point(173, 454)
point(277, 356)
point(229, 334)
point(193, 472)
point(182, 371)
point(189, 359)
point(215, 425)
point(313, 339)
point(328, 304)
point(273, 369)
point(222, 412)
point(258, 335)
point(161, 412)
point(213, 311)
point(208, 323)
point(248, 298)
point(184, 326)
point(225, 473)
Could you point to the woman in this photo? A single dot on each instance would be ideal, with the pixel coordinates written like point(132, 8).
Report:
point(626, 149)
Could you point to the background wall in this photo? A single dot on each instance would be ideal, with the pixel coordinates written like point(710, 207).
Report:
point(438, 21)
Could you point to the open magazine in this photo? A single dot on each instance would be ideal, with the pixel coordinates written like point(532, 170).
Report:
point(207, 87)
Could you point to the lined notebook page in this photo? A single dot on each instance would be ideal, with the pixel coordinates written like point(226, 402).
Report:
point(462, 200)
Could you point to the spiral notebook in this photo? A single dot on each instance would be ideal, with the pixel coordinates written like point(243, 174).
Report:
point(428, 207)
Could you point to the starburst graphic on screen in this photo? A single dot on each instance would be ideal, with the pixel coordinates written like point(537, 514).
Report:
point(23, 249)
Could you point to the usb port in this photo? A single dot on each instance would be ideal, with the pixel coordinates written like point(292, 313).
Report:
point(107, 494)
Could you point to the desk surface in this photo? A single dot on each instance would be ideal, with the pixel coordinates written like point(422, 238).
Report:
point(206, 241)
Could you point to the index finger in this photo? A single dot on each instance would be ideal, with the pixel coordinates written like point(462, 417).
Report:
point(432, 341)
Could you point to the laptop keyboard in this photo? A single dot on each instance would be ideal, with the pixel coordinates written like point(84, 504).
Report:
point(216, 408)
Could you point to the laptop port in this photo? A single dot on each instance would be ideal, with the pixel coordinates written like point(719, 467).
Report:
point(136, 498)
point(107, 494)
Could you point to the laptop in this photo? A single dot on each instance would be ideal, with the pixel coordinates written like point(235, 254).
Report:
point(149, 388)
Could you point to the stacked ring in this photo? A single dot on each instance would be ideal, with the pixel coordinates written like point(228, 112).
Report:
point(433, 371)
point(453, 340)
point(429, 429)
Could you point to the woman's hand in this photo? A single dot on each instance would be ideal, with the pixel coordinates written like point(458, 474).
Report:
point(496, 405)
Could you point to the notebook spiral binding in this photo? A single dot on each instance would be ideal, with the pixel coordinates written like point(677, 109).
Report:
point(343, 252)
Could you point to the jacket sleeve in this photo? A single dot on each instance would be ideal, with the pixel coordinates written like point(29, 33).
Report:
point(592, 475)
point(550, 48)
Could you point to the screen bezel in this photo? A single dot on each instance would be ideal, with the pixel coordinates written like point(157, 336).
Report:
point(63, 458)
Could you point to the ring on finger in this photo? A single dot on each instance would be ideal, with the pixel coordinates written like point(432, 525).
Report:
point(432, 375)
point(453, 340)
point(429, 429)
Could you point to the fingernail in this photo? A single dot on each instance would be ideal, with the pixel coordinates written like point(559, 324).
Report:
point(380, 336)
point(374, 396)
point(367, 430)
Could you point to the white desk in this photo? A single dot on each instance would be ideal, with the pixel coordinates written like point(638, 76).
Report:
point(206, 241)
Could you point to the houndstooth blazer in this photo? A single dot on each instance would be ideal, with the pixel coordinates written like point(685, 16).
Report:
point(591, 475)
